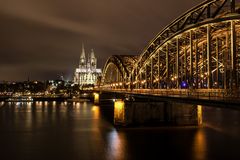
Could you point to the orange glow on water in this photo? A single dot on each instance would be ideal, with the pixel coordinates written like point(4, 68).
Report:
point(117, 145)
point(96, 112)
point(199, 145)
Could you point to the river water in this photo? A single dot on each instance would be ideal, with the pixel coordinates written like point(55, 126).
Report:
point(82, 131)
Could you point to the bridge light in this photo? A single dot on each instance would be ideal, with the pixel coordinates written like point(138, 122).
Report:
point(184, 84)
point(156, 80)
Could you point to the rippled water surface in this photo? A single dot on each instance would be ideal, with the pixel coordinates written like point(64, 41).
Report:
point(72, 131)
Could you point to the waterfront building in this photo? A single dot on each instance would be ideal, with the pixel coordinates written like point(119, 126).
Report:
point(87, 72)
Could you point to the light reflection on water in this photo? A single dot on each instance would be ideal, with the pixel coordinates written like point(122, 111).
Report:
point(1, 104)
point(96, 112)
point(80, 130)
point(199, 145)
point(116, 148)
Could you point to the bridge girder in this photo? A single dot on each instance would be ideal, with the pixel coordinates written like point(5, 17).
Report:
point(200, 49)
point(193, 51)
point(120, 66)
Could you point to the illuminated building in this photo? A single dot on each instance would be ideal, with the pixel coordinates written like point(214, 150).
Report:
point(87, 72)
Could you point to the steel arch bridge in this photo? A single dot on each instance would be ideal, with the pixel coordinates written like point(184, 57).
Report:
point(118, 69)
point(198, 52)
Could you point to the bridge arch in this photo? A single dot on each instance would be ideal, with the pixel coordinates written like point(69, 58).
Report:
point(117, 69)
point(200, 49)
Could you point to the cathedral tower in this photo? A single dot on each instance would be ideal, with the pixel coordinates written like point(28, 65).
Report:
point(82, 63)
point(93, 60)
point(87, 73)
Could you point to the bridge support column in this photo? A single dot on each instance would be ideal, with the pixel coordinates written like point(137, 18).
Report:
point(159, 71)
point(96, 98)
point(167, 66)
point(155, 113)
point(151, 78)
point(119, 112)
point(182, 114)
point(191, 60)
point(209, 58)
point(233, 56)
point(217, 63)
point(177, 63)
point(185, 65)
point(140, 84)
point(196, 65)
point(225, 60)
point(146, 77)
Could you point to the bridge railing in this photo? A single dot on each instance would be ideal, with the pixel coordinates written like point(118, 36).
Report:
point(194, 93)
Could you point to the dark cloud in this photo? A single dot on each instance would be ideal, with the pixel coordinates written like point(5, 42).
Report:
point(42, 38)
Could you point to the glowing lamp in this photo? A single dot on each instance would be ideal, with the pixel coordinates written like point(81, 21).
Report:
point(184, 84)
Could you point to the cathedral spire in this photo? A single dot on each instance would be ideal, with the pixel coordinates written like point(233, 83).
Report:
point(93, 60)
point(92, 54)
point(83, 52)
point(82, 61)
point(87, 73)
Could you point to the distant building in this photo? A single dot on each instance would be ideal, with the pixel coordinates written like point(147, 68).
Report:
point(87, 72)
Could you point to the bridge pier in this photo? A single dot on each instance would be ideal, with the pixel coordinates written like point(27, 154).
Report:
point(153, 113)
point(96, 98)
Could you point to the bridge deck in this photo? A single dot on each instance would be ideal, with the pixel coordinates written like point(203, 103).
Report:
point(203, 97)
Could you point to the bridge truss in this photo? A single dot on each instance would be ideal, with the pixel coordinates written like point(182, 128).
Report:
point(198, 50)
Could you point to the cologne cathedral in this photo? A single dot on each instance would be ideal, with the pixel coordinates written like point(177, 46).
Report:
point(87, 73)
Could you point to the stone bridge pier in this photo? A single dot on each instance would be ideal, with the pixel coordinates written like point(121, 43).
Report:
point(144, 110)
point(153, 113)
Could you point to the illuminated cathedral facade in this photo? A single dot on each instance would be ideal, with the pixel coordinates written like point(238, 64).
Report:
point(87, 73)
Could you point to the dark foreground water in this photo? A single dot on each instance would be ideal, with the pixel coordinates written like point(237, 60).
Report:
point(82, 131)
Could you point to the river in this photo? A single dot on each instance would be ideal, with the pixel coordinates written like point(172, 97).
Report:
point(83, 131)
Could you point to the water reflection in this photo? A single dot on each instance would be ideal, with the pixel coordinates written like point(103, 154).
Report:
point(224, 121)
point(46, 103)
point(63, 130)
point(54, 103)
point(96, 112)
point(117, 147)
point(1, 104)
point(199, 145)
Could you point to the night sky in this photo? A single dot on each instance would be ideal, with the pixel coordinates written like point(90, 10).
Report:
point(41, 39)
